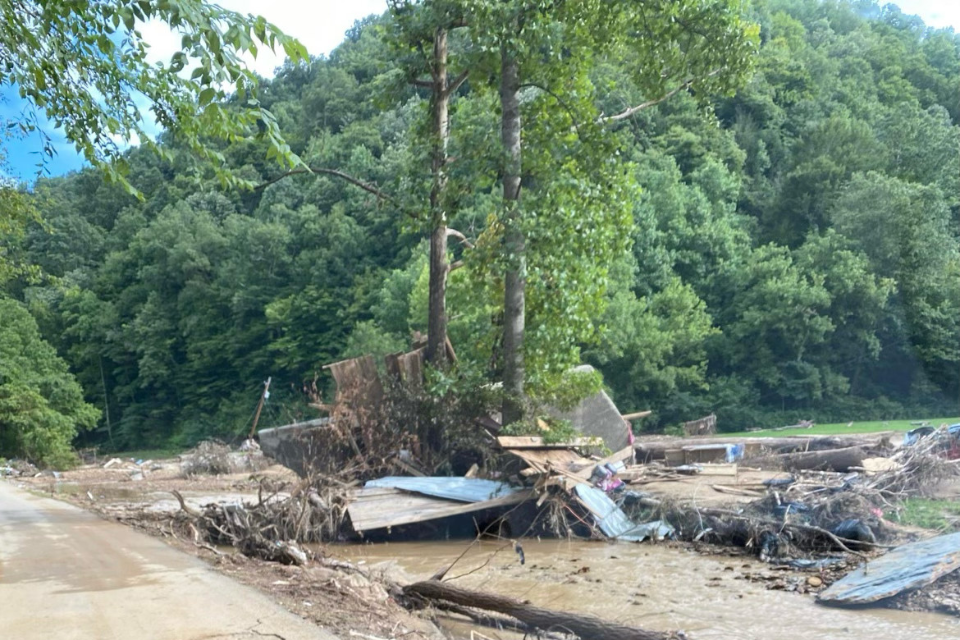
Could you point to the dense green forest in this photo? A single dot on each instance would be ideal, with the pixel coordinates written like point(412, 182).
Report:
point(789, 251)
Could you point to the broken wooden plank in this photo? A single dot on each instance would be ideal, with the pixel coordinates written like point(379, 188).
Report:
point(537, 442)
point(409, 468)
point(545, 461)
point(719, 469)
point(619, 456)
point(735, 491)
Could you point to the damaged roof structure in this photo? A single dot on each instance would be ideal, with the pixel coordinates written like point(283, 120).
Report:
point(400, 500)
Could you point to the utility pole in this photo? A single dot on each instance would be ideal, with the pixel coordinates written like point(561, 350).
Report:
point(263, 398)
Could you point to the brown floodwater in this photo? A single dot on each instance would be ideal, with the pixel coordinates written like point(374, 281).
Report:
point(655, 587)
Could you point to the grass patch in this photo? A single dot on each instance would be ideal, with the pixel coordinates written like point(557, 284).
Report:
point(929, 514)
point(842, 428)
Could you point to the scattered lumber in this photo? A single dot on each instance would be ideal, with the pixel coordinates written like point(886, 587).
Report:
point(656, 449)
point(537, 442)
point(586, 627)
point(623, 455)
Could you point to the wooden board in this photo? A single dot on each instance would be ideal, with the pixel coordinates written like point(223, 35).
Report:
point(619, 456)
point(377, 508)
point(536, 442)
point(541, 460)
point(357, 381)
point(718, 469)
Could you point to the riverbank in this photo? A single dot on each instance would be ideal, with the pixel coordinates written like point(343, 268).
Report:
point(346, 588)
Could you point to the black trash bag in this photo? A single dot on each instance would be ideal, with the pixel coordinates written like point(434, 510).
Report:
point(856, 530)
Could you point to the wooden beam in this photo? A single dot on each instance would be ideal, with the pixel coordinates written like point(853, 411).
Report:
point(623, 454)
point(536, 442)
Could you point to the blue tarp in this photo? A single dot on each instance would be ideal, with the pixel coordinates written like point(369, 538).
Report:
point(613, 522)
point(459, 489)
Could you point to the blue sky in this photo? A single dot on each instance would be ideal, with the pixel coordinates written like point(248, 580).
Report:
point(320, 26)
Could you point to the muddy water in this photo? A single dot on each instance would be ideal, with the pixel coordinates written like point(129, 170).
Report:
point(655, 587)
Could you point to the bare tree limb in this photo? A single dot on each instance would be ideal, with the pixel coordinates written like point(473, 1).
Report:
point(366, 186)
point(455, 84)
point(652, 103)
point(459, 236)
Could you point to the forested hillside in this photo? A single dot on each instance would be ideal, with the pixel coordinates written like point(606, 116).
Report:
point(793, 250)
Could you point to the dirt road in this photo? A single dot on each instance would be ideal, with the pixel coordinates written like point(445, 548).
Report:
point(65, 573)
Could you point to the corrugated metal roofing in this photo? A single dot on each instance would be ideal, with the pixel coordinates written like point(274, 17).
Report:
point(459, 489)
point(378, 508)
point(613, 522)
point(608, 516)
point(907, 567)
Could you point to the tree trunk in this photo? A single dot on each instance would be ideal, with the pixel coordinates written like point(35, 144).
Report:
point(584, 626)
point(436, 352)
point(515, 276)
point(834, 460)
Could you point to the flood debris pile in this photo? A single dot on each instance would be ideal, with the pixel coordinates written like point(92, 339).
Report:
point(272, 528)
point(385, 424)
point(820, 511)
point(212, 457)
point(17, 468)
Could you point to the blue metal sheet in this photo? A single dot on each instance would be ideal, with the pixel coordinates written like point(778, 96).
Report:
point(613, 522)
point(459, 489)
point(907, 567)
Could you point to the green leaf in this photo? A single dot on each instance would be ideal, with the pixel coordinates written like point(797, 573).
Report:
point(206, 96)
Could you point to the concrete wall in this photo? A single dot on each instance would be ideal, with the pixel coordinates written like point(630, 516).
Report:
point(597, 416)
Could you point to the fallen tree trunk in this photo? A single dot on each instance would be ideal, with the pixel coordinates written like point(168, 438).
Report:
point(586, 627)
point(834, 460)
point(648, 450)
point(499, 623)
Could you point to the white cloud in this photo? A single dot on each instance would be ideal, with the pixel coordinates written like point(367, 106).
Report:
point(319, 25)
point(935, 13)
